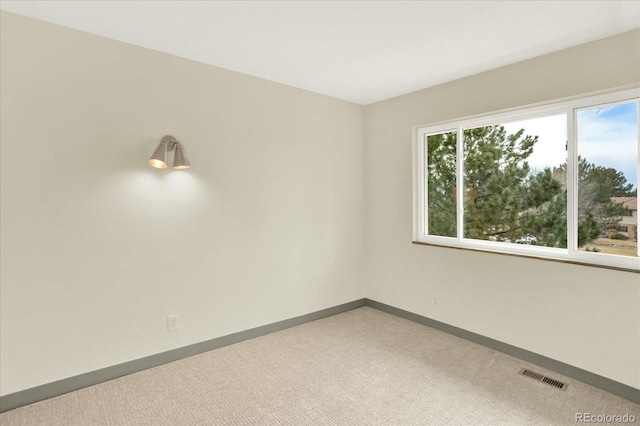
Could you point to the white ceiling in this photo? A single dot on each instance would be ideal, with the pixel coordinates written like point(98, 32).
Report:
point(360, 51)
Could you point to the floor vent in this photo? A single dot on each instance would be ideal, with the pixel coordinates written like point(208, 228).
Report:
point(544, 379)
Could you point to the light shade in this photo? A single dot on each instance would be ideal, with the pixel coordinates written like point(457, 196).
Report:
point(159, 157)
point(180, 160)
point(167, 144)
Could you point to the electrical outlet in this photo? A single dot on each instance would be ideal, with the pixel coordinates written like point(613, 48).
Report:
point(172, 323)
point(395, 288)
point(435, 301)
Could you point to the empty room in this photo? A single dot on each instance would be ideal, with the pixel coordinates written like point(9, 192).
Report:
point(319, 212)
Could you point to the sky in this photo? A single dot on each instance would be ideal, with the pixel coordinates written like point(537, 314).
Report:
point(607, 136)
point(550, 150)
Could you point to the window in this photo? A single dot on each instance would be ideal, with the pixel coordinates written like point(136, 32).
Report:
point(557, 181)
point(441, 184)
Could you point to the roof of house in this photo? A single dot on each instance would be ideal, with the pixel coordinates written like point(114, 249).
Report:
point(630, 203)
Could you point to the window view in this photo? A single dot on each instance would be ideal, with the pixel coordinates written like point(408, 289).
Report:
point(515, 183)
point(441, 184)
point(607, 179)
point(556, 181)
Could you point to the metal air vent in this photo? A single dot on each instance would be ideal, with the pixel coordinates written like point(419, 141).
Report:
point(544, 379)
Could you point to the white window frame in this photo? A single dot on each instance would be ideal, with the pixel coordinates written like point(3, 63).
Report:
point(571, 253)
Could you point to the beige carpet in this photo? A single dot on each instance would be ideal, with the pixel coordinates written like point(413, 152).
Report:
point(363, 367)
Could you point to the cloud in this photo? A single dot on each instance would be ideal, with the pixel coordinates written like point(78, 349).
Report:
point(552, 138)
point(608, 137)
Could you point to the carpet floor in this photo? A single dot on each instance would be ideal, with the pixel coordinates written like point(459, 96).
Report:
point(362, 367)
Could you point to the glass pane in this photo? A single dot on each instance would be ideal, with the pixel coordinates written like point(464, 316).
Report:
point(441, 184)
point(515, 182)
point(607, 179)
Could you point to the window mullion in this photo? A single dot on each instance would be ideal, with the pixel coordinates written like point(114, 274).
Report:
point(420, 167)
point(572, 183)
point(460, 182)
point(423, 185)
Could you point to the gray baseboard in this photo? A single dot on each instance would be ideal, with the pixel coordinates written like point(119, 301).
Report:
point(59, 387)
point(584, 376)
point(50, 390)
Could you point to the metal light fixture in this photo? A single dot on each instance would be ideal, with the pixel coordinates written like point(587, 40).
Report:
point(167, 144)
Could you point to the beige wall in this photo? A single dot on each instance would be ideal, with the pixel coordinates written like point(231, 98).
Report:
point(584, 316)
point(98, 247)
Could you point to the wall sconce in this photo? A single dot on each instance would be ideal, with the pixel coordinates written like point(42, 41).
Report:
point(167, 144)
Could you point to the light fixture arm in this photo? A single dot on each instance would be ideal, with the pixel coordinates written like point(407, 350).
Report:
point(170, 141)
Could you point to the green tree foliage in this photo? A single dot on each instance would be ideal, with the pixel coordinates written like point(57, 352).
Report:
point(596, 185)
point(505, 200)
point(441, 184)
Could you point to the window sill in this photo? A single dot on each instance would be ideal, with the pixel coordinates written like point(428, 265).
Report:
point(528, 256)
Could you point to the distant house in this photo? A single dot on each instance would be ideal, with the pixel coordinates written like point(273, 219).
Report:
point(628, 226)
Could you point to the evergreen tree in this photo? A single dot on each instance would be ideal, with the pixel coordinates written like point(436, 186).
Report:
point(607, 182)
point(441, 184)
point(505, 200)
point(596, 186)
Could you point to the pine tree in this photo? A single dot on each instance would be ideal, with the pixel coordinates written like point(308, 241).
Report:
point(441, 184)
point(505, 200)
point(596, 210)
